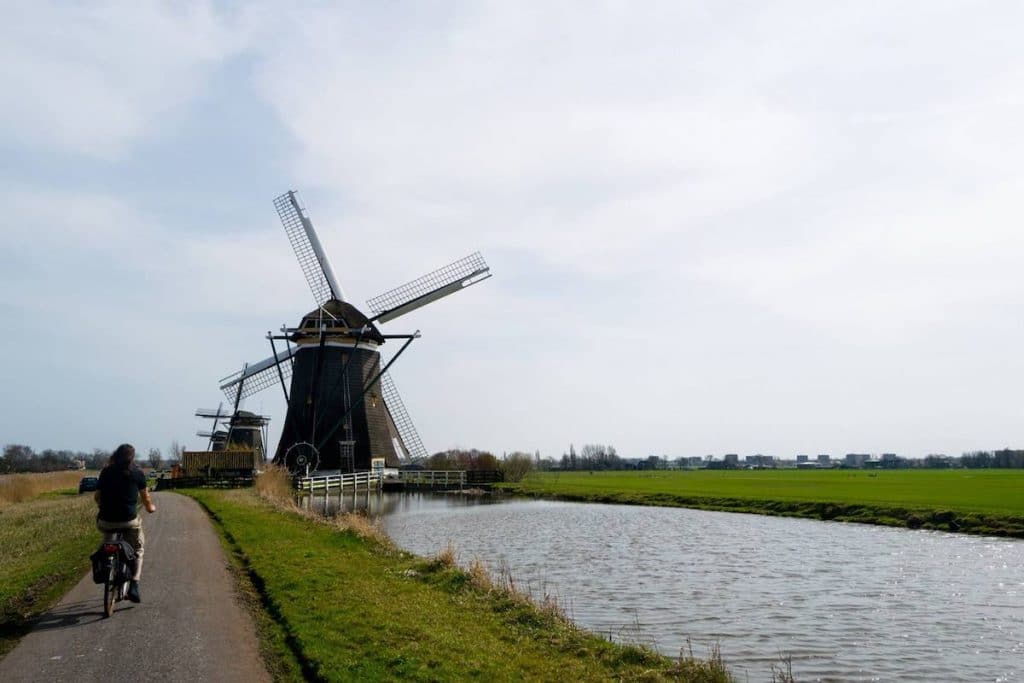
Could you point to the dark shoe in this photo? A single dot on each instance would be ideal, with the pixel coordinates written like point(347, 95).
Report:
point(133, 591)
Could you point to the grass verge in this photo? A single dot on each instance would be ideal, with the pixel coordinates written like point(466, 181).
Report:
point(278, 655)
point(46, 545)
point(352, 607)
point(972, 501)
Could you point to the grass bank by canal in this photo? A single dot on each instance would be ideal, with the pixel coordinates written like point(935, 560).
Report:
point(355, 608)
point(45, 543)
point(989, 502)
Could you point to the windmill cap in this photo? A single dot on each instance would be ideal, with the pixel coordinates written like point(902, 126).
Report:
point(345, 315)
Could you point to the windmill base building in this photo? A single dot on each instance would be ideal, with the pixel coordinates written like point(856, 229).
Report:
point(335, 359)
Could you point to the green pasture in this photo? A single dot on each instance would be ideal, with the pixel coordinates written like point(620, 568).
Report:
point(46, 544)
point(994, 491)
point(974, 501)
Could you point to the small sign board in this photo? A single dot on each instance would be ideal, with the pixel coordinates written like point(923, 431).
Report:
point(377, 466)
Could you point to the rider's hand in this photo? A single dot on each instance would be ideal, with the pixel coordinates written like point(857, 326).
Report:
point(150, 508)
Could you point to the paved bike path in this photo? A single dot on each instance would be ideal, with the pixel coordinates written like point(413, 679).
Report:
point(188, 627)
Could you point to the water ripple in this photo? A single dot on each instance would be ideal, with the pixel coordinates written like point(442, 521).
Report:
point(845, 601)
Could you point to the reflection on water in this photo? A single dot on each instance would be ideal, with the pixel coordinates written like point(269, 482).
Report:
point(374, 503)
point(848, 602)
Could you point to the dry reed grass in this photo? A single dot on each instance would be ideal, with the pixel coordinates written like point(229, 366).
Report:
point(447, 557)
point(542, 600)
point(274, 485)
point(783, 671)
point(15, 488)
point(361, 526)
point(479, 576)
point(690, 668)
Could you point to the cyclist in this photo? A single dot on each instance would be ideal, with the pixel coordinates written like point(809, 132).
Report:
point(120, 487)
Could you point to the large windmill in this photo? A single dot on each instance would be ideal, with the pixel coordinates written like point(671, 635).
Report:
point(343, 407)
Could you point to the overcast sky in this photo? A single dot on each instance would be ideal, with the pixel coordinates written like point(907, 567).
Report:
point(789, 227)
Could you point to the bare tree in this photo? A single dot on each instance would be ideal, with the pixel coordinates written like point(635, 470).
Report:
point(175, 452)
point(155, 458)
point(516, 466)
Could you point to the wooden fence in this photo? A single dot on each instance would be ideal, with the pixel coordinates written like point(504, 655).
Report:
point(432, 478)
point(354, 481)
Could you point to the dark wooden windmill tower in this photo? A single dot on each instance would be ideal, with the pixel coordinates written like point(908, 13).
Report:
point(343, 408)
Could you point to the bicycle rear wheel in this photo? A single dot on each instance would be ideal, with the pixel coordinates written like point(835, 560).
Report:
point(110, 589)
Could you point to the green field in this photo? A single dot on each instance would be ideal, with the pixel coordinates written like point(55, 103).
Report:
point(973, 501)
point(46, 543)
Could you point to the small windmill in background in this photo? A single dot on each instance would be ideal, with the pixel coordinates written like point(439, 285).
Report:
point(235, 429)
point(343, 407)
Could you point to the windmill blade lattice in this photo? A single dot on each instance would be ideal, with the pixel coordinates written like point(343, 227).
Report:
point(400, 416)
point(308, 251)
point(431, 287)
point(257, 377)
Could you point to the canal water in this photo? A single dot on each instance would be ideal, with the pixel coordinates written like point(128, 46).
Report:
point(844, 601)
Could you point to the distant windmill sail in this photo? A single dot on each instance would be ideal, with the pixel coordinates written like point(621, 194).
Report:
point(408, 437)
point(433, 286)
point(308, 249)
point(217, 414)
point(258, 376)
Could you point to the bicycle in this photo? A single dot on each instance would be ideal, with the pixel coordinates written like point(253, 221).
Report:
point(113, 565)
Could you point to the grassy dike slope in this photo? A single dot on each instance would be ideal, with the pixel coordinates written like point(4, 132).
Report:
point(358, 609)
point(45, 545)
point(971, 501)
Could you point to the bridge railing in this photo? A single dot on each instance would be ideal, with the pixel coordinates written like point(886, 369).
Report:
point(353, 480)
point(432, 477)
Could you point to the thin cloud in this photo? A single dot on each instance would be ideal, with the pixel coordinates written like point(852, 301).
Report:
point(775, 228)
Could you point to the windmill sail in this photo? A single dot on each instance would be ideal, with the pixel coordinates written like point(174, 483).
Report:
point(444, 281)
point(258, 376)
point(307, 248)
point(401, 423)
point(210, 412)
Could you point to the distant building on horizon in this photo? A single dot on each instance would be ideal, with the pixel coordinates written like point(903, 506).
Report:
point(857, 459)
point(760, 460)
point(892, 461)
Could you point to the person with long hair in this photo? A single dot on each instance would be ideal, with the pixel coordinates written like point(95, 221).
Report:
point(120, 487)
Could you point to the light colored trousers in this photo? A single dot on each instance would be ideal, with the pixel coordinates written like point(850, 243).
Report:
point(132, 532)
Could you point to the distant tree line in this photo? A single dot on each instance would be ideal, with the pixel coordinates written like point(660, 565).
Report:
point(459, 459)
point(21, 458)
point(515, 465)
point(1006, 458)
point(592, 457)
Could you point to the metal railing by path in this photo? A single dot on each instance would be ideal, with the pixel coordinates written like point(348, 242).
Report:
point(354, 481)
point(432, 478)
